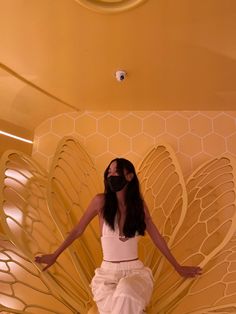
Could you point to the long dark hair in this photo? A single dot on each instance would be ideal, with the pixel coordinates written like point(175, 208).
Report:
point(135, 216)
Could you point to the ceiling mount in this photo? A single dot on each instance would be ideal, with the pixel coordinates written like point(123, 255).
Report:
point(109, 6)
point(120, 75)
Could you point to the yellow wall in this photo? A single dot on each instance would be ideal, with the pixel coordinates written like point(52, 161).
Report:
point(195, 136)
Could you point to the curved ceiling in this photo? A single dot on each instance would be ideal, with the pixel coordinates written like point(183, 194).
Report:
point(109, 6)
point(59, 56)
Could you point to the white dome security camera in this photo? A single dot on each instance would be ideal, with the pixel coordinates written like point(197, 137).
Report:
point(120, 75)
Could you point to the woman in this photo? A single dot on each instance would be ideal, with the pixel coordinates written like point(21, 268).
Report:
point(122, 284)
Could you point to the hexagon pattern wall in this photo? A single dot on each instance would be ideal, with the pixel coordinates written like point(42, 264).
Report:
point(194, 136)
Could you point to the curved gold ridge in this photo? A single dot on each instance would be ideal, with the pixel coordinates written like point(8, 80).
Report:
point(109, 6)
point(36, 87)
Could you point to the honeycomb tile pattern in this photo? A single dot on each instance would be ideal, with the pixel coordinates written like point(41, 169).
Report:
point(195, 136)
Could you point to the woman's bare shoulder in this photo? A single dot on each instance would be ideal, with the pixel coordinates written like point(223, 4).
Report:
point(99, 200)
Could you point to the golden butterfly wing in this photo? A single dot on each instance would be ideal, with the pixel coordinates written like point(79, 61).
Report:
point(74, 181)
point(29, 225)
point(164, 192)
point(208, 226)
point(1, 228)
point(225, 309)
point(23, 289)
point(215, 290)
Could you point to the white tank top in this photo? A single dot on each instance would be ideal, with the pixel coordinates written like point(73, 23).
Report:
point(115, 247)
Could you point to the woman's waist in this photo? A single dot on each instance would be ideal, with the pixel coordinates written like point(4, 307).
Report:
point(121, 261)
point(115, 243)
point(114, 249)
point(122, 265)
point(122, 238)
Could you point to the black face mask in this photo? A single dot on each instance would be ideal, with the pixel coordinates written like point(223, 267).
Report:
point(116, 183)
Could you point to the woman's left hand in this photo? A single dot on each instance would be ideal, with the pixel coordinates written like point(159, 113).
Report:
point(188, 271)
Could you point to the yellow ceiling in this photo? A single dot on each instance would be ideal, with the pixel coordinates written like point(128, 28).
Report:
point(57, 56)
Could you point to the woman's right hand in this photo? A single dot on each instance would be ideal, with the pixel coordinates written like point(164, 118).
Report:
point(48, 259)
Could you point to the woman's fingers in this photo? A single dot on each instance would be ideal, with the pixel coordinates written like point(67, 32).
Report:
point(190, 271)
point(41, 259)
point(45, 259)
point(37, 259)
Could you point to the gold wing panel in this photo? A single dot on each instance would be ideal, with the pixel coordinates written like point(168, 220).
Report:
point(215, 290)
point(28, 223)
point(163, 188)
point(164, 191)
point(208, 226)
point(73, 182)
point(165, 194)
point(228, 309)
point(22, 287)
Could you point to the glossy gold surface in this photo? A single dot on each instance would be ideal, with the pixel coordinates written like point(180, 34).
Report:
point(197, 217)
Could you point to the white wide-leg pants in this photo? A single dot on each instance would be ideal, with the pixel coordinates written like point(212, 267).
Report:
point(122, 288)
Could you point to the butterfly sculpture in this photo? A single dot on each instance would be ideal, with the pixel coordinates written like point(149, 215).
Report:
point(38, 209)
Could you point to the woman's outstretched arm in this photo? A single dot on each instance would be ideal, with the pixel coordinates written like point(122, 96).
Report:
point(159, 241)
point(92, 210)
